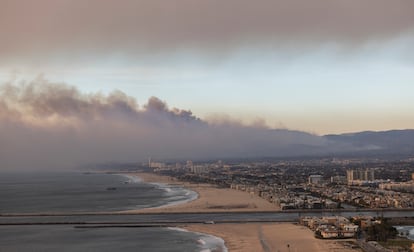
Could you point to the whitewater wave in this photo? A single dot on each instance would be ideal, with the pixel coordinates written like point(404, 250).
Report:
point(178, 229)
point(206, 242)
point(175, 195)
point(131, 178)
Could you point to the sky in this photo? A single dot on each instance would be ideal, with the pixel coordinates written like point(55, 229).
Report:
point(317, 66)
point(313, 66)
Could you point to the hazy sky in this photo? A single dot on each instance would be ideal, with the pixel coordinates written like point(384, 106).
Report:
point(312, 65)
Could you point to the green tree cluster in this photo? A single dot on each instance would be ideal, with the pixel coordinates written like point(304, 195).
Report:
point(381, 231)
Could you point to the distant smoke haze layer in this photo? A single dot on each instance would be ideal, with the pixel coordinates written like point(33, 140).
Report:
point(47, 27)
point(52, 125)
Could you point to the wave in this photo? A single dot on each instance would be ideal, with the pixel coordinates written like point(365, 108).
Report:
point(167, 188)
point(178, 229)
point(206, 242)
point(131, 178)
point(176, 195)
point(170, 190)
point(209, 243)
point(164, 187)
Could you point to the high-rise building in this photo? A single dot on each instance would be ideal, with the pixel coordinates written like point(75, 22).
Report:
point(360, 175)
point(369, 175)
point(189, 164)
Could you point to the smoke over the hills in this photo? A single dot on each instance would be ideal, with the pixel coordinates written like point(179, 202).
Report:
point(52, 125)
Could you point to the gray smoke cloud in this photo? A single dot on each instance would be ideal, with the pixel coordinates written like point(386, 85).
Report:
point(131, 27)
point(53, 125)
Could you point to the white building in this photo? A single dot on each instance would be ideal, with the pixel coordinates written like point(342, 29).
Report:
point(315, 179)
point(394, 186)
point(199, 169)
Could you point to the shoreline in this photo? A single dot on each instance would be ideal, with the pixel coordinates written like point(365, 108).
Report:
point(207, 241)
point(210, 198)
point(266, 237)
point(241, 237)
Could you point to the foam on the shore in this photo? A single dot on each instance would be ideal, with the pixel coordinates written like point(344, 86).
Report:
point(178, 229)
point(131, 178)
point(170, 190)
point(206, 242)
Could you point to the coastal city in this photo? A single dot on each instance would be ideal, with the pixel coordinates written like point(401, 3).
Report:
point(316, 185)
point(307, 184)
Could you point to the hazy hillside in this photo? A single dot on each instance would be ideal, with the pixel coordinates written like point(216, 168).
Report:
point(382, 142)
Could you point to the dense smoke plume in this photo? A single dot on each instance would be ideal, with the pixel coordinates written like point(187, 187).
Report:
point(62, 28)
point(51, 125)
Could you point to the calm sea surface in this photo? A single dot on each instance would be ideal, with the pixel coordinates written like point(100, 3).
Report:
point(78, 192)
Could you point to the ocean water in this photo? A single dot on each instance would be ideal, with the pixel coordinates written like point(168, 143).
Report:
point(406, 231)
point(78, 192)
point(70, 238)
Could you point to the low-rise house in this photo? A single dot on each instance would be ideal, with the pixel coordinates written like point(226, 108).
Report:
point(330, 227)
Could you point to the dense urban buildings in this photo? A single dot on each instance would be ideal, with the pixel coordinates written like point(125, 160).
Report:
point(307, 184)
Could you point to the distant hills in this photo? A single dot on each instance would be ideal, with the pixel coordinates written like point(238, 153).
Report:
point(392, 142)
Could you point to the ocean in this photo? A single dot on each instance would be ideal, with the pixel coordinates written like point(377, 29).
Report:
point(59, 192)
point(406, 231)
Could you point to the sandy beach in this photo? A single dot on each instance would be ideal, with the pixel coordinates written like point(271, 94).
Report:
point(244, 237)
point(210, 198)
point(270, 237)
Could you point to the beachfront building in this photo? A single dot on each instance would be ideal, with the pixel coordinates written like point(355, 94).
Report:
point(330, 227)
point(328, 231)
